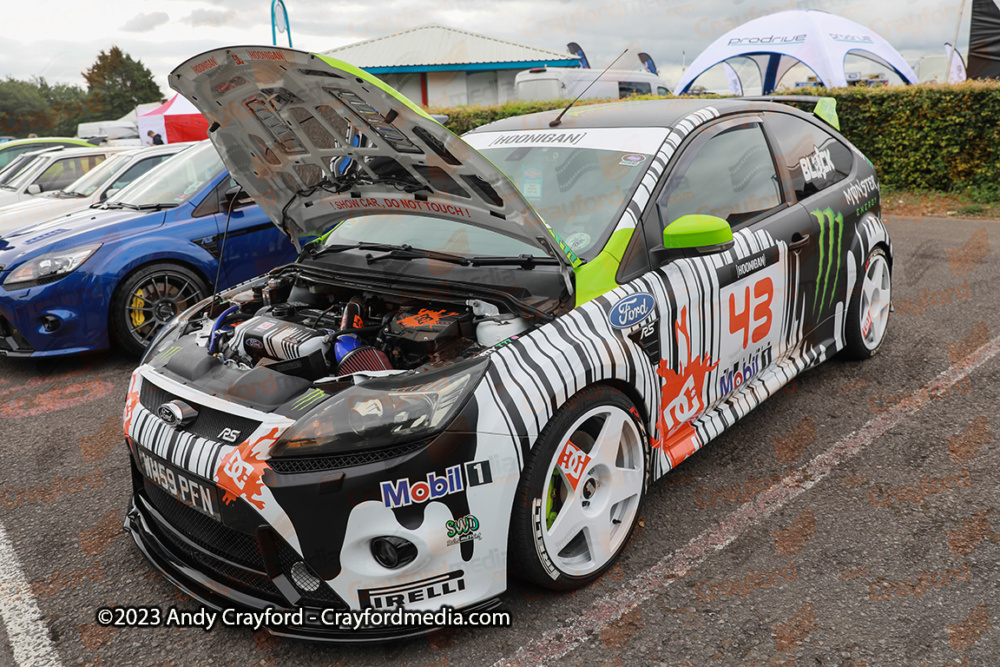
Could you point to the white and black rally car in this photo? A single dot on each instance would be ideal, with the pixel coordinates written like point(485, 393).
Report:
point(492, 345)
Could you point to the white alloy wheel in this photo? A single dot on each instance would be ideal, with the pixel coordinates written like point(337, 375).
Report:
point(585, 525)
point(876, 294)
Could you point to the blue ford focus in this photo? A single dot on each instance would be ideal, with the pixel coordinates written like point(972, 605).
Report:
point(116, 274)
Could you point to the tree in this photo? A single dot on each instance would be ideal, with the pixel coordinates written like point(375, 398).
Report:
point(68, 107)
point(120, 83)
point(21, 105)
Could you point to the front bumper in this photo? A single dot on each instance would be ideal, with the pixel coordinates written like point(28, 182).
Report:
point(153, 535)
point(245, 560)
point(77, 303)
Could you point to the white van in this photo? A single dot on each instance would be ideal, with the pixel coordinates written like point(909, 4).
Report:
point(565, 83)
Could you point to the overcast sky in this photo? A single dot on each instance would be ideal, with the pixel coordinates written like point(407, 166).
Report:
point(58, 39)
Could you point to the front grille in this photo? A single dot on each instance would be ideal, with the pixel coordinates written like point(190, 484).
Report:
point(205, 531)
point(256, 582)
point(208, 424)
point(335, 461)
point(219, 542)
point(11, 339)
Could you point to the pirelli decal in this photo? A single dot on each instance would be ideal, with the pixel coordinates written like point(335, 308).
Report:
point(739, 269)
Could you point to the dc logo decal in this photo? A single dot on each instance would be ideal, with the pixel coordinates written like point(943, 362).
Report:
point(631, 310)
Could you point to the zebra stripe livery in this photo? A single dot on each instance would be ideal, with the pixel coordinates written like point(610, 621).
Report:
point(691, 343)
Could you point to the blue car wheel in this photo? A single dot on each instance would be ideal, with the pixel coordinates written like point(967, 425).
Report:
point(150, 298)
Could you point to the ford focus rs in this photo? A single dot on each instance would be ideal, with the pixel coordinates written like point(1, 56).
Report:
point(495, 344)
point(113, 275)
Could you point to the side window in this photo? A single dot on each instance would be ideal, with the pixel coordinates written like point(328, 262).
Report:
point(627, 88)
point(815, 158)
point(732, 177)
point(635, 260)
point(660, 90)
point(7, 156)
point(135, 171)
point(61, 173)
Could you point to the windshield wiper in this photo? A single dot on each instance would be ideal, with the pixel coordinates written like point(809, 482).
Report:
point(148, 207)
point(408, 252)
point(404, 251)
point(524, 261)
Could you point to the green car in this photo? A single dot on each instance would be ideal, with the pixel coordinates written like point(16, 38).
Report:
point(11, 149)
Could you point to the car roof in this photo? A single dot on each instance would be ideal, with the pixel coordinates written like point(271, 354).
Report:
point(641, 113)
point(146, 151)
point(44, 140)
point(84, 151)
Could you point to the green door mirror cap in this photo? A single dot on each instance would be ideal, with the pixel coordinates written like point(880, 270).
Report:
point(700, 232)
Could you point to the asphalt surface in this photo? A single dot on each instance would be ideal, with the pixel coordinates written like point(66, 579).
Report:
point(850, 520)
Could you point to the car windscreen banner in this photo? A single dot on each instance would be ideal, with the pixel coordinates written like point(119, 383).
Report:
point(984, 40)
point(627, 139)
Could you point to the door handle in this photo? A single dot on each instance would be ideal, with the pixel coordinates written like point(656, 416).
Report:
point(799, 241)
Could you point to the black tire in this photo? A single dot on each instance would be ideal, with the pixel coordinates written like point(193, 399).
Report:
point(545, 493)
point(149, 298)
point(864, 338)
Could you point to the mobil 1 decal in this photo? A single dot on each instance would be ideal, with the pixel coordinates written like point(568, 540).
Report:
point(752, 300)
point(440, 472)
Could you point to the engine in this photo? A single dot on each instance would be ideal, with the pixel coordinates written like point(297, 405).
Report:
point(315, 331)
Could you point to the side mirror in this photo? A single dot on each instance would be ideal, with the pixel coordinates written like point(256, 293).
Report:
point(34, 189)
point(693, 236)
point(231, 194)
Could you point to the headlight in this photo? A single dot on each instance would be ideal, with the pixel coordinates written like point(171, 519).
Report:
point(384, 411)
point(49, 267)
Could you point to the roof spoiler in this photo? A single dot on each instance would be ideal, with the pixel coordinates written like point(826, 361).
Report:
point(826, 107)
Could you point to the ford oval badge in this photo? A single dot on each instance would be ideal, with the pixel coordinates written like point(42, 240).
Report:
point(631, 310)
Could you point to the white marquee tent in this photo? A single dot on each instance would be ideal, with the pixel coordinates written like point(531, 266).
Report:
point(817, 39)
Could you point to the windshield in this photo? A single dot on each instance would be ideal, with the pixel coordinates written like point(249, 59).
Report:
point(175, 181)
point(29, 172)
point(427, 233)
point(14, 168)
point(577, 180)
point(93, 179)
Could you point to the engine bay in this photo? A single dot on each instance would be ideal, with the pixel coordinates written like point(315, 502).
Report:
point(316, 329)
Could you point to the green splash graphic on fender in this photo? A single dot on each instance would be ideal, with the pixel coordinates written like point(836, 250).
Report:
point(830, 225)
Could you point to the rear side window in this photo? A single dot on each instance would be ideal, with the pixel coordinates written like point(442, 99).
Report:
point(815, 158)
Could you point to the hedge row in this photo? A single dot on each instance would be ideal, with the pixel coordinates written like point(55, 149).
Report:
point(938, 137)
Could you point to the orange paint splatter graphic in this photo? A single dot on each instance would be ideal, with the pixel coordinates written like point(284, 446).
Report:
point(240, 471)
point(425, 318)
point(681, 400)
point(131, 401)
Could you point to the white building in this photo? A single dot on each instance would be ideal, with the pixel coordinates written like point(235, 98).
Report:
point(445, 67)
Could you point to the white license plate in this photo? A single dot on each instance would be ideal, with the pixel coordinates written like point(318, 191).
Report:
point(183, 487)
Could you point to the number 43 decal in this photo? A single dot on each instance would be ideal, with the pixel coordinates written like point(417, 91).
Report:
point(754, 321)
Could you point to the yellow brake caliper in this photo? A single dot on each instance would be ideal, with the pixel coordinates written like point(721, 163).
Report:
point(138, 317)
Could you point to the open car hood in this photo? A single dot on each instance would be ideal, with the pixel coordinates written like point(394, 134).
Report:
point(315, 140)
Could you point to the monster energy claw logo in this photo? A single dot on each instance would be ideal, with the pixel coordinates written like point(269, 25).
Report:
point(831, 233)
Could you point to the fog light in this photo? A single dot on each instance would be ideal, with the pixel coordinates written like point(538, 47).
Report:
point(304, 577)
point(393, 552)
point(50, 323)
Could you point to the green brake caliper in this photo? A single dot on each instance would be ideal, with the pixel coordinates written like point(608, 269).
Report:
point(552, 498)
